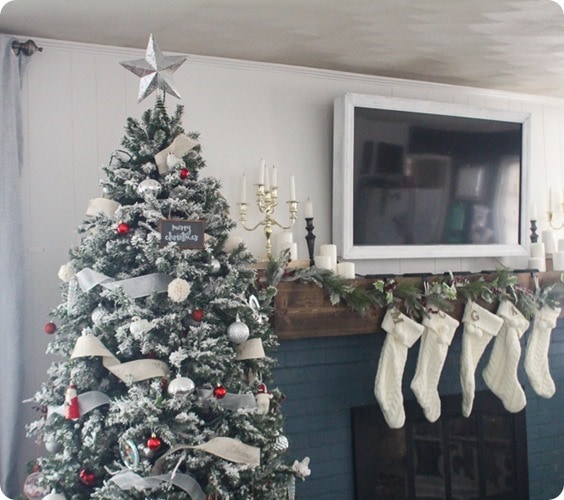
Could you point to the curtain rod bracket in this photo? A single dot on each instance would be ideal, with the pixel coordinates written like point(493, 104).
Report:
point(28, 48)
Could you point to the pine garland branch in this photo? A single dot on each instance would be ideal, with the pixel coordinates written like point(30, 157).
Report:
point(551, 295)
point(439, 294)
point(473, 289)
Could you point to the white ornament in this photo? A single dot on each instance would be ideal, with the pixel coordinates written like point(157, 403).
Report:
point(301, 469)
point(263, 400)
point(263, 403)
point(139, 327)
point(54, 496)
point(172, 161)
point(181, 386)
point(238, 332)
point(178, 290)
point(66, 272)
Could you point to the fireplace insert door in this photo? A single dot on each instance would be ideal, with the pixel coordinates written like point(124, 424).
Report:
point(483, 456)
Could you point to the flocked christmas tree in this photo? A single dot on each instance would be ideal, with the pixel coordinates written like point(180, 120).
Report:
point(163, 334)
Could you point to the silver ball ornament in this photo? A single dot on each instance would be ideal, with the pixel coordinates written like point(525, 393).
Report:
point(149, 189)
point(98, 315)
point(215, 266)
point(108, 190)
point(181, 386)
point(281, 444)
point(238, 332)
point(51, 444)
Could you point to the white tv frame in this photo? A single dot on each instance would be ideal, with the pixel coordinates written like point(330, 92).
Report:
point(343, 180)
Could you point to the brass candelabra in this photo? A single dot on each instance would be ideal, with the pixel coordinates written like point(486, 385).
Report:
point(267, 201)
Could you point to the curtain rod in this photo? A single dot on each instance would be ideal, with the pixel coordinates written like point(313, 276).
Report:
point(28, 48)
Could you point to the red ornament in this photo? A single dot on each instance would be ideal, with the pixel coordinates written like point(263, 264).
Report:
point(123, 228)
point(261, 388)
point(219, 392)
point(71, 402)
point(184, 173)
point(87, 477)
point(50, 328)
point(197, 315)
point(154, 442)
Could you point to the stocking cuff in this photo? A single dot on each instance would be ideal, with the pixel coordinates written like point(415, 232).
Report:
point(481, 318)
point(548, 316)
point(513, 317)
point(402, 328)
point(443, 325)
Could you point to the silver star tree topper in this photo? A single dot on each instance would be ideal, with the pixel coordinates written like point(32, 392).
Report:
point(155, 71)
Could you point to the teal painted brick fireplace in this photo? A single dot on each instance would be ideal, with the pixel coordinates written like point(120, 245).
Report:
point(324, 378)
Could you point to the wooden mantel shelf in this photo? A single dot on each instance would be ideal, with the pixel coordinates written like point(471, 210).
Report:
point(304, 310)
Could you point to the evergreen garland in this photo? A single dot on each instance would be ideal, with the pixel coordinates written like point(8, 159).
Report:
point(439, 293)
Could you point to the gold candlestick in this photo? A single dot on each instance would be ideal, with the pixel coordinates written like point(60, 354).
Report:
point(267, 201)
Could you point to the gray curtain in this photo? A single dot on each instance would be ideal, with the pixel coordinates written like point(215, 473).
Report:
point(11, 263)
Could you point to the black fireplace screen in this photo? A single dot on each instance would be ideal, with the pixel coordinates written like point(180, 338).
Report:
point(483, 456)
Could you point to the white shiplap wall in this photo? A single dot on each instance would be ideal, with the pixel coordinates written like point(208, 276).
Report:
point(77, 99)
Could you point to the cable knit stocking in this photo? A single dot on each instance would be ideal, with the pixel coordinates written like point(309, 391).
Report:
point(536, 357)
point(500, 374)
point(402, 333)
point(436, 339)
point(480, 327)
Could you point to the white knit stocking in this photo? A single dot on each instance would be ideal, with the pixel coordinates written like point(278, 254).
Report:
point(402, 333)
point(536, 357)
point(436, 339)
point(500, 374)
point(480, 326)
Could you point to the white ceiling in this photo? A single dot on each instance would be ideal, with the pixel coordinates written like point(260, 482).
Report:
point(515, 45)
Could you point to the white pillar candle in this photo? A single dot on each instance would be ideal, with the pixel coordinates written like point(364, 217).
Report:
point(284, 240)
point(308, 209)
point(323, 262)
point(266, 180)
point(558, 261)
point(274, 177)
point(346, 270)
point(537, 250)
point(293, 251)
point(549, 241)
point(330, 251)
point(243, 188)
point(537, 263)
point(292, 188)
point(262, 166)
point(534, 212)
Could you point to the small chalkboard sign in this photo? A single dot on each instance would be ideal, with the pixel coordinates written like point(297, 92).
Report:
point(187, 234)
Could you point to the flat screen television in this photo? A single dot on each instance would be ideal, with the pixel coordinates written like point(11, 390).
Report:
point(421, 179)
